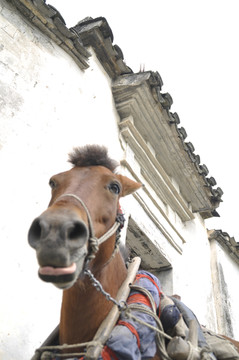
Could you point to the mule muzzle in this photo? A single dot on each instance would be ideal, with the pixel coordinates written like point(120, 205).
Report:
point(61, 244)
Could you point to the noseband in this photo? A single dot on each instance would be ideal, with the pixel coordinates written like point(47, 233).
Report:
point(95, 242)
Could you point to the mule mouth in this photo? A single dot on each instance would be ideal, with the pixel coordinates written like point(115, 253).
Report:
point(58, 279)
point(57, 271)
point(62, 277)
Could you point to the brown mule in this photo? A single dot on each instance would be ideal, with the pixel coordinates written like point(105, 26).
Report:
point(84, 199)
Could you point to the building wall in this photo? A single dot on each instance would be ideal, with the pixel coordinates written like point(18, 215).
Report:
point(48, 105)
point(225, 273)
point(190, 273)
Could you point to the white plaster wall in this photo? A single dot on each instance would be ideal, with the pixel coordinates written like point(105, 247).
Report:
point(48, 105)
point(225, 277)
point(192, 273)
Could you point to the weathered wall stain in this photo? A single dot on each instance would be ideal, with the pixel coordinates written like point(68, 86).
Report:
point(225, 296)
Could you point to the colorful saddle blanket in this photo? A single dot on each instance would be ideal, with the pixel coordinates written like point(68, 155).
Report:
point(129, 339)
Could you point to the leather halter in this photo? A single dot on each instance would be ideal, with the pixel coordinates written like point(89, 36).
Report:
point(95, 242)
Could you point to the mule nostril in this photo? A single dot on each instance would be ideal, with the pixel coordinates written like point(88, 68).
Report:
point(77, 231)
point(36, 231)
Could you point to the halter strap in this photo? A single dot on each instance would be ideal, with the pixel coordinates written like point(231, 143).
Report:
point(94, 241)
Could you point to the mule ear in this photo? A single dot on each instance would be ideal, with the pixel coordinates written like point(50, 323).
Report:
point(129, 186)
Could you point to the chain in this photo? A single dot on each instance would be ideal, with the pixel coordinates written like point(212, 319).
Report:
point(121, 305)
point(160, 334)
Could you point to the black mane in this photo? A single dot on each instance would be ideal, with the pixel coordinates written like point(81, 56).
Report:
point(92, 155)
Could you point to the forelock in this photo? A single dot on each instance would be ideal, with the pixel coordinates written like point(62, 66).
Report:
point(92, 155)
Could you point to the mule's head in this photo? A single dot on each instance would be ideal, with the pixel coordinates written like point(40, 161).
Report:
point(60, 235)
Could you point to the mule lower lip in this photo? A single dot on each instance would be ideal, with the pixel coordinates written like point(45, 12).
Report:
point(51, 271)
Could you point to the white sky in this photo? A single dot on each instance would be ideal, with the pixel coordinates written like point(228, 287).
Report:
point(193, 44)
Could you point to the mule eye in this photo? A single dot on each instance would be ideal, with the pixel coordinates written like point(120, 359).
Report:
point(52, 184)
point(115, 188)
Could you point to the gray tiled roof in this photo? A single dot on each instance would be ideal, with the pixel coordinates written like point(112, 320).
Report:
point(97, 34)
point(50, 22)
point(228, 243)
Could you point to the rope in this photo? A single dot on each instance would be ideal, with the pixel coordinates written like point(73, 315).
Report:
point(92, 234)
point(147, 293)
point(159, 331)
point(191, 348)
point(160, 334)
point(205, 354)
point(109, 233)
point(48, 352)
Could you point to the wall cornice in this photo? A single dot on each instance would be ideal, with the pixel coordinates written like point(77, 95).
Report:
point(152, 171)
point(138, 96)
